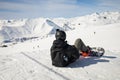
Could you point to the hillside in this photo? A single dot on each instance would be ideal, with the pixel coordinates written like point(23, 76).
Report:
point(30, 59)
point(10, 30)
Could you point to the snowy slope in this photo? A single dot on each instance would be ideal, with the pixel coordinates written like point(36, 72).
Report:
point(31, 60)
point(41, 27)
point(96, 19)
point(31, 28)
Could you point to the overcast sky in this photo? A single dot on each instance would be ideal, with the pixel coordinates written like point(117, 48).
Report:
point(15, 9)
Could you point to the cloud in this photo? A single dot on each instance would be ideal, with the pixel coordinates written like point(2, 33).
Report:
point(16, 6)
point(38, 7)
point(54, 8)
point(115, 4)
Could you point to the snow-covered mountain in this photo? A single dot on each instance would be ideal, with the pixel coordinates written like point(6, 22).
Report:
point(13, 29)
point(41, 27)
point(31, 60)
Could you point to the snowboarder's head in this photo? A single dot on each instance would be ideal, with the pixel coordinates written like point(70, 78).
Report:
point(60, 34)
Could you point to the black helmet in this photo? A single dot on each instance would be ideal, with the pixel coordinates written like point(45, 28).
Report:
point(60, 34)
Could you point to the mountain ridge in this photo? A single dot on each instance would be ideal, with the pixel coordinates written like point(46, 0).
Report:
point(40, 27)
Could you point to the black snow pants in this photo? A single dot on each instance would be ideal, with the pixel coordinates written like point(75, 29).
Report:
point(80, 45)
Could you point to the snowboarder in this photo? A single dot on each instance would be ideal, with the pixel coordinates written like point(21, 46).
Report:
point(62, 54)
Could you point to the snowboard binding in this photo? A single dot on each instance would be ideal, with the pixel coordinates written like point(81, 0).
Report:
point(94, 51)
point(97, 51)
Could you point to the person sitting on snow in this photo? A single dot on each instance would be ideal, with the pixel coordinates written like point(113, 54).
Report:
point(62, 54)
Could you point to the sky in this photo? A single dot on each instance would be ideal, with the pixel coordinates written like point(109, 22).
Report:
point(17, 9)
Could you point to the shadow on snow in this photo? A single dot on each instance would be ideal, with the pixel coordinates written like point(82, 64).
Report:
point(83, 62)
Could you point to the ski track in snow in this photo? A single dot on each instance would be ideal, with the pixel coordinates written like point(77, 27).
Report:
point(46, 67)
point(36, 65)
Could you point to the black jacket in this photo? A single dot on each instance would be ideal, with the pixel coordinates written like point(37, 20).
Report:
point(62, 53)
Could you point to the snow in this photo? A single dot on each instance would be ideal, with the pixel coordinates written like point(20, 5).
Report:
point(42, 27)
point(30, 60)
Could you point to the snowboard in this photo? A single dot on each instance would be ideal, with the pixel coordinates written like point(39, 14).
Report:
point(96, 51)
